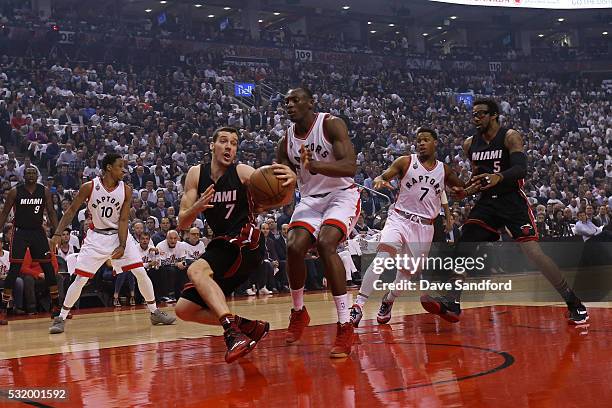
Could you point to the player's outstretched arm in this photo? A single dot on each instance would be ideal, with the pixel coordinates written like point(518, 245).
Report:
point(396, 169)
point(50, 210)
point(8, 205)
point(82, 196)
point(191, 205)
point(343, 150)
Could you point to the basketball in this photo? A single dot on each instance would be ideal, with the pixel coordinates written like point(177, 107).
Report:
point(266, 189)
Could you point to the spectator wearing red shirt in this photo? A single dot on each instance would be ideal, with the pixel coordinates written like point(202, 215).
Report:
point(34, 282)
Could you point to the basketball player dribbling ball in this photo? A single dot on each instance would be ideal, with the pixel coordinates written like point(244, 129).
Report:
point(29, 200)
point(219, 190)
point(409, 227)
point(318, 146)
point(108, 201)
point(499, 166)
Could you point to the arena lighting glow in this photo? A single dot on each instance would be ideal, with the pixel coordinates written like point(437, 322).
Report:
point(148, 10)
point(211, 16)
point(453, 17)
point(391, 25)
point(260, 21)
point(535, 4)
point(425, 34)
point(540, 35)
point(346, 7)
point(163, 2)
point(373, 31)
point(604, 33)
point(276, 13)
point(197, 5)
point(560, 19)
point(397, 32)
point(369, 23)
point(227, 8)
point(439, 27)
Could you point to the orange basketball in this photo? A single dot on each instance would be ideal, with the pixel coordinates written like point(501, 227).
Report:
point(266, 189)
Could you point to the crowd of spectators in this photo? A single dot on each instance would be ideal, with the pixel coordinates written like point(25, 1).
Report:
point(62, 117)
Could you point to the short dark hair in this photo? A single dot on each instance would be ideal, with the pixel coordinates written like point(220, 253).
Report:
point(427, 130)
point(110, 159)
point(305, 90)
point(492, 106)
point(228, 129)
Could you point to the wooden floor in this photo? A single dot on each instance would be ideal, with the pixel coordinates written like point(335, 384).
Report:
point(511, 355)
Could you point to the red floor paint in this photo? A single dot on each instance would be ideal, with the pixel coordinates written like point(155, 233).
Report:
point(495, 357)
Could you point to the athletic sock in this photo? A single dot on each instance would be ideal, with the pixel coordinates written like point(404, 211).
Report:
point(342, 308)
point(297, 296)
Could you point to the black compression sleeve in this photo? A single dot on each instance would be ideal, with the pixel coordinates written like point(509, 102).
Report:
point(518, 161)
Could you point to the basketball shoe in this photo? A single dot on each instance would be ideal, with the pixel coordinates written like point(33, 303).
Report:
point(298, 321)
point(160, 317)
point(384, 313)
point(447, 309)
point(344, 340)
point(254, 329)
point(577, 314)
point(238, 344)
point(356, 314)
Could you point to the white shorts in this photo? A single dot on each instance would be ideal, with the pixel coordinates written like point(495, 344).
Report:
point(339, 208)
point(98, 248)
point(405, 236)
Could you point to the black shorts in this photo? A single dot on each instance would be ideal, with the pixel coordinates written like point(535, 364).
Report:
point(35, 239)
point(510, 210)
point(231, 267)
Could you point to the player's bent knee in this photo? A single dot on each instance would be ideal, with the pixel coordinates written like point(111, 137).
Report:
point(327, 246)
point(198, 269)
point(297, 248)
point(184, 309)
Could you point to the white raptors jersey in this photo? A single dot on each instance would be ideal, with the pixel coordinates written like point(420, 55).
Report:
point(105, 206)
point(321, 148)
point(420, 189)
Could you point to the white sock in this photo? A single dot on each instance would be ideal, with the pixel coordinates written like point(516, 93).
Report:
point(152, 307)
point(297, 296)
point(367, 283)
point(342, 307)
point(361, 300)
point(73, 293)
point(146, 287)
point(64, 313)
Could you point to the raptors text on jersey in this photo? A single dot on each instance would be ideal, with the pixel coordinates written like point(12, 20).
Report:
point(320, 146)
point(420, 189)
point(105, 206)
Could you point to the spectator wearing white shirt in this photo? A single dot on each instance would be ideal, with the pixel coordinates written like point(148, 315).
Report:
point(27, 162)
point(172, 273)
point(194, 248)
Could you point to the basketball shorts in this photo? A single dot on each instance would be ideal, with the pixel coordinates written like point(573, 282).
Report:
point(509, 210)
point(98, 248)
point(231, 265)
point(338, 208)
point(35, 239)
point(403, 236)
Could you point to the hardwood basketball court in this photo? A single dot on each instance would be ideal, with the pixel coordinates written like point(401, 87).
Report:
point(498, 355)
